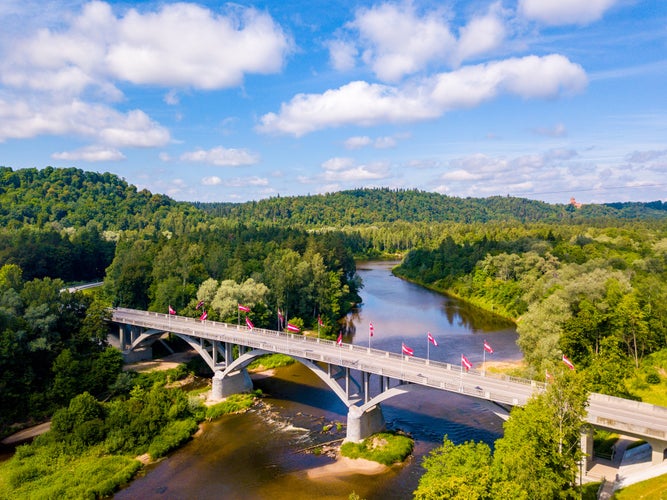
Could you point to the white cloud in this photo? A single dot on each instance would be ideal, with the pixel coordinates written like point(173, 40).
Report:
point(50, 73)
point(385, 142)
point(558, 12)
point(188, 45)
point(247, 181)
point(20, 119)
point(346, 170)
point(222, 157)
point(481, 35)
point(365, 104)
point(213, 180)
point(645, 156)
point(91, 154)
point(342, 54)
point(357, 142)
point(397, 41)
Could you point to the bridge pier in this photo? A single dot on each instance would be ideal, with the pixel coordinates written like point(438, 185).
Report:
point(233, 383)
point(586, 447)
point(658, 448)
point(361, 424)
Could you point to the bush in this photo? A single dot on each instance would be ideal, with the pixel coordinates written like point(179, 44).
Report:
point(173, 435)
point(653, 378)
point(385, 448)
point(233, 404)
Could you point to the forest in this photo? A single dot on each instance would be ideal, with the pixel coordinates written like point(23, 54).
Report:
point(589, 282)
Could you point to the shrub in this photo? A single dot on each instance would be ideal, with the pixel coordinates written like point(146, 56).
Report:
point(385, 448)
point(173, 435)
point(653, 378)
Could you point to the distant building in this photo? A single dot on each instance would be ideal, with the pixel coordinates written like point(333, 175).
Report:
point(575, 203)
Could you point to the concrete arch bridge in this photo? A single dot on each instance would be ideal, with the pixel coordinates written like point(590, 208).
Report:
point(348, 370)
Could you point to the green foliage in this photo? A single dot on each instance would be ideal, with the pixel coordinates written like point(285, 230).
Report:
point(171, 437)
point(385, 448)
point(269, 361)
point(232, 404)
point(456, 472)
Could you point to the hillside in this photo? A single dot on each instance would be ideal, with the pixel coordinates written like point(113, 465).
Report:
point(370, 206)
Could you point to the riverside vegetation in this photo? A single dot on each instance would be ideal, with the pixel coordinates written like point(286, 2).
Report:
point(590, 282)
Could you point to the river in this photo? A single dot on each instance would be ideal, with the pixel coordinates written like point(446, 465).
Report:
point(260, 454)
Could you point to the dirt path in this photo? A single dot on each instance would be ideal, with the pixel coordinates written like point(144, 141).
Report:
point(26, 434)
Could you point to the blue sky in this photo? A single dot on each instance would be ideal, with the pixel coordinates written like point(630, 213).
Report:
point(213, 101)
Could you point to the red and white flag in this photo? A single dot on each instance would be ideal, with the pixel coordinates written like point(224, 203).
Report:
point(244, 308)
point(371, 329)
point(293, 328)
point(199, 304)
point(465, 362)
point(547, 375)
point(488, 348)
point(281, 318)
point(568, 363)
point(249, 323)
point(171, 310)
point(203, 316)
point(406, 350)
point(319, 321)
point(432, 340)
point(339, 341)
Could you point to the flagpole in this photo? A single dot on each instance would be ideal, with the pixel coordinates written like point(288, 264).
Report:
point(428, 349)
point(483, 361)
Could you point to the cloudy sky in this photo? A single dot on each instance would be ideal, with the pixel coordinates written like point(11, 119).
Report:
point(213, 101)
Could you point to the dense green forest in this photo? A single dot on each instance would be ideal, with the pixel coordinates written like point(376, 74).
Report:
point(589, 282)
point(371, 206)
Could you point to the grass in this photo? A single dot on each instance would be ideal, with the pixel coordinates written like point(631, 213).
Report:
point(270, 361)
point(233, 404)
point(651, 489)
point(385, 448)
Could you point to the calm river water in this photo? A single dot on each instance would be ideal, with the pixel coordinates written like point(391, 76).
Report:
point(260, 454)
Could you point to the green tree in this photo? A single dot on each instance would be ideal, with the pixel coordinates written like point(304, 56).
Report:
point(456, 472)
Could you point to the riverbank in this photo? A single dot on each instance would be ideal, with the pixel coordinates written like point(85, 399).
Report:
point(344, 466)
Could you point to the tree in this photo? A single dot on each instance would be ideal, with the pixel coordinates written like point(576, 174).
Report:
point(539, 452)
point(456, 472)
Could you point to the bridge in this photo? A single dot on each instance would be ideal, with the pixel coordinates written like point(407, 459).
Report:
point(347, 370)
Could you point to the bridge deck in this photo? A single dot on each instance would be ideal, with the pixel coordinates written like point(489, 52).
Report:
point(620, 415)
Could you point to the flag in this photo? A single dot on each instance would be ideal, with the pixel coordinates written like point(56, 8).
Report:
point(406, 350)
point(568, 363)
point(199, 304)
point(488, 348)
point(249, 323)
point(319, 321)
point(244, 308)
point(281, 318)
point(339, 341)
point(547, 375)
point(371, 329)
point(203, 316)
point(466, 364)
point(171, 310)
point(432, 340)
point(293, 328)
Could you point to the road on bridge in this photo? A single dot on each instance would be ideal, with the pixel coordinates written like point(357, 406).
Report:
point(628, 417)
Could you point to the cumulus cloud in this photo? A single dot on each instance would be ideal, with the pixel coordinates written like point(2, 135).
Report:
point(357, 142)
point(365, 104)
point(347, 170)
point(48, 75)
point(222, 157)
point(396, 39)
point(20, 119)
point(91, 154)
point(213, 180)
point(559, 12)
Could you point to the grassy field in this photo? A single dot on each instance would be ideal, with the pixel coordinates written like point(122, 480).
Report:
point(651, 489)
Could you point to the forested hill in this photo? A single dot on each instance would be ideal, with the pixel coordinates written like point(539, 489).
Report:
point(71, 197)
point(369, 206)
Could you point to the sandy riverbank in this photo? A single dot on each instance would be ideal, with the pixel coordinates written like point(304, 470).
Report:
point(344, 466)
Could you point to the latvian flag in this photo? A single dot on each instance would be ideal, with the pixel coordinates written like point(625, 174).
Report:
point(171, 310)
point(249, 323)
point(432, 340)
point(465, 363)
point(488, 348)
point(203, 316)
point(339, 341)
point(568, 363)
point(199, 304)
point(293, 328)
point(406, 350)
point(244, 308)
